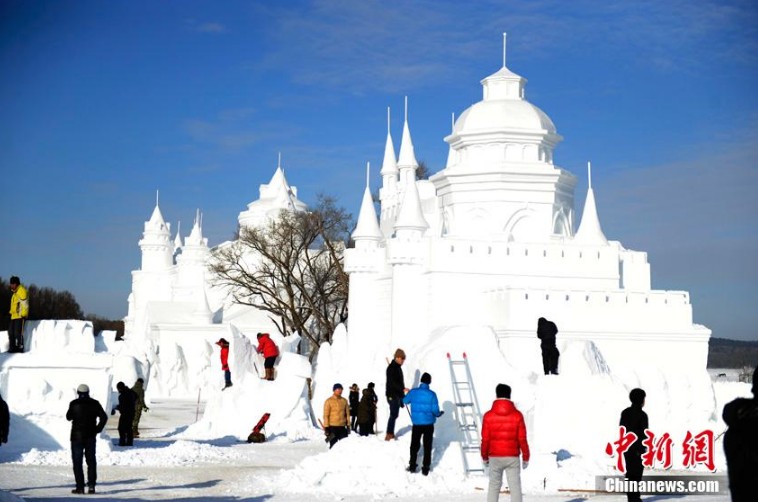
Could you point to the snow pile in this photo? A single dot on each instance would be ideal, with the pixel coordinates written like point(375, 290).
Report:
point(236, 410)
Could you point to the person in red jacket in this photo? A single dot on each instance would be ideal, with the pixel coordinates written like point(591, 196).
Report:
point(270, 351)
point(225, 362)
point(503, 442)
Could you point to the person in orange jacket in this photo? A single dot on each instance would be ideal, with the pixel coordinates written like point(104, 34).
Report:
point(270, 351)
point(225, 362)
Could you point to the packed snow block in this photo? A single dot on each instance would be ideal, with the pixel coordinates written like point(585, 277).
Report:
point(70, 336)
point(234, 411)
point(288, 343)
point(587, 405)
point(39, 386)
point(126, 369)
point(105, 341)
point(4, 342)
point(242, 353)
point(293, 364)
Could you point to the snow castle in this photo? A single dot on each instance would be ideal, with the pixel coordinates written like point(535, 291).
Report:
point(174, 309)
point(490, 239)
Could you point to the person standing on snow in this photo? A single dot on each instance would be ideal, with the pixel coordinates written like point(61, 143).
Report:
point(635, 420)
point(336, 416)
point(19, 312)
point(225, 362)
point(503, 442)
point(270, 351)
point(395, 390)
point(741, 445)
point(5, 421)
point(87, 419)
point(139, 407)
point(425, 409)
point(366, 413)
point(546, 331)
point(354, 399)
point(127, 402)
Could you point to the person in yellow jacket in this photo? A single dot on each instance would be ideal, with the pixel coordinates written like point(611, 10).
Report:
point(19, 312)
point(336, 416)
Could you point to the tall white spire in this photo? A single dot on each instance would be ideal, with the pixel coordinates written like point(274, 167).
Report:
point(450, 151)
point(367, 227)
point(178, 238)
point(590, 231)
point(504, 40)
point(410, 218)
point(406, 162)
point(389, 165)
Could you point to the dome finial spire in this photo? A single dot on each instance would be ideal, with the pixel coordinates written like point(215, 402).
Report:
point(279, 162)
point(452, 123)
point(388, 120)
point(589, 174)
point(368, 171)
point(504, 37)
point(156, 197)
point(406, 108)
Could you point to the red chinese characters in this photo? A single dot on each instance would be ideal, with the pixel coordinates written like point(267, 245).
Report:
point(621, 446)
point(696, 449)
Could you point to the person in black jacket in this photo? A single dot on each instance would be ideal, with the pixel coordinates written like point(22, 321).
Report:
point(354, 398)
point(395, 390)
point(127, 403)
point(87, 419)
point(546, 331)
point(366, 413)
point(635, 420)
point(741, 445)
point(5, 421)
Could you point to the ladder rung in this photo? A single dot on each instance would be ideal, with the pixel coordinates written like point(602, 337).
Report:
point(464, 404)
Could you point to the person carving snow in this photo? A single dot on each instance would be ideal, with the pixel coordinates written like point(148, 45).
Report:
point(270, 351)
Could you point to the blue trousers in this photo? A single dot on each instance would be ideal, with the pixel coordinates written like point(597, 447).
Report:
point(394, 412)
point(84, 449)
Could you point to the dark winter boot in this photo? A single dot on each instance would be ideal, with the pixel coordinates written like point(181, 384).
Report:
point(91, 490)
point(425, 471)
point(411, 468)
point(78, 491)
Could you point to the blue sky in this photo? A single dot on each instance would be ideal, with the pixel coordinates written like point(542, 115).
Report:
point(102, 103)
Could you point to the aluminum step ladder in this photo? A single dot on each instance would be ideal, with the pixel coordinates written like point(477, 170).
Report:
point(466, 413)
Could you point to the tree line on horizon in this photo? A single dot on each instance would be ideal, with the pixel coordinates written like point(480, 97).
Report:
point(48, 303)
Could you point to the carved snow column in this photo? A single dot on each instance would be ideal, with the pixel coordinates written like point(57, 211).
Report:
point(364, 263)
point(407, 256)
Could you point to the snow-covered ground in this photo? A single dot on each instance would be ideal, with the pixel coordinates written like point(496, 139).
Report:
point(165, 464)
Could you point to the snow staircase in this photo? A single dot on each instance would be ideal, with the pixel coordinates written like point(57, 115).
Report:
point(466, 413)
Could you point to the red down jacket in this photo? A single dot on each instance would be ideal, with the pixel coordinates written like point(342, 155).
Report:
point(266, 346)
point(504, 432)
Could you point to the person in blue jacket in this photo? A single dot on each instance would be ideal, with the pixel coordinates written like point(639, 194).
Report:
point(425, 409)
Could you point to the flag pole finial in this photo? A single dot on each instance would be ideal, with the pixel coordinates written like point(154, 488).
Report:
point(504, 39)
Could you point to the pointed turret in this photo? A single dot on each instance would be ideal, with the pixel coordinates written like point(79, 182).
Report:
point(195, 238)
point(157, 252)
point(590, 231)
point(178, 238)
point(410, 220)
point(367, 228)
point(406, 162)
point(275, 196)
point(389, 165)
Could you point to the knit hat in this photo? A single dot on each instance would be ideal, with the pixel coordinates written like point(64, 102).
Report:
point(82, 389)
point(426, 378)
point(222, 341)
point(337, 386)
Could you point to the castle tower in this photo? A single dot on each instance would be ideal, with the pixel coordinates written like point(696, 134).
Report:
point(406, 162)
point(590, 231)
point(500, 181)
point(191, 265)
point(274, 197)
point(364, 262)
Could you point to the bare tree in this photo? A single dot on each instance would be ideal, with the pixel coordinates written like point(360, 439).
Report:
point(291, 268)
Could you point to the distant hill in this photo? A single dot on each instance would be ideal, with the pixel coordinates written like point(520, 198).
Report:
point(724, 353)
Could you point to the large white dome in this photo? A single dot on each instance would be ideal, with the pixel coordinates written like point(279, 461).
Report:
point(503, 115)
